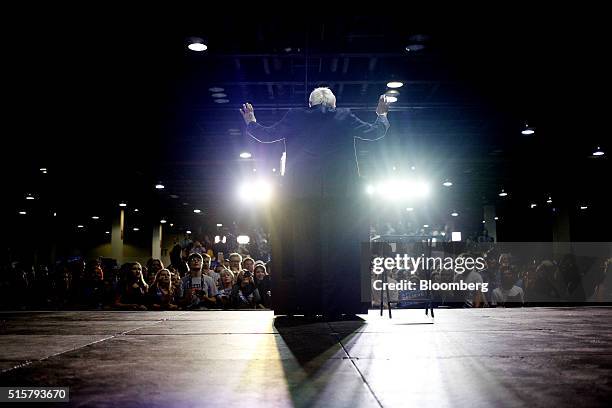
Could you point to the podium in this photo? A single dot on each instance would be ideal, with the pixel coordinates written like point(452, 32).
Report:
point(315, 245)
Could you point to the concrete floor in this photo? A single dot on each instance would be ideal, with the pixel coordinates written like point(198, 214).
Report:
point(467, 358)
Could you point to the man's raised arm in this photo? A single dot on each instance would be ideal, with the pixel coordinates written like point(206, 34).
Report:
point(261, 133)
point(371, 131)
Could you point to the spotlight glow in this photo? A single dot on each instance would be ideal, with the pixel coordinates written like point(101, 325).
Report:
point(135, 229)
point(447, 183)
point(29, 197)
point(399, 189)
point(395, 84)
point(245, 155)
point(219, 225)
point(258, 191)
point(197, 46)
point(496, 218)
point(455, 214)
point(197, 211)
point(528, 131)
point(107, 232)
point(549, 201)
point(122, 205)
point(80, 226)
point(391, 99)
point(503, 194)
point(22, 212)
point(162, 221)
point(583, 207)
point(95, 217)
point(243, 239)
point(598, 152)
point(160, 186)
point(187, 232)
point(43, 169)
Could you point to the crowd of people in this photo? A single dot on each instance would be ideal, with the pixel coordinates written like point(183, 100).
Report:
point(511, 281)
point(194, 281)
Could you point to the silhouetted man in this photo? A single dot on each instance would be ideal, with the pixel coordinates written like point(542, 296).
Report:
point(318, 220)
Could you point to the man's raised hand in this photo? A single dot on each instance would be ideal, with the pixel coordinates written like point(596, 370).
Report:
point(247, 113)
point(383, 106)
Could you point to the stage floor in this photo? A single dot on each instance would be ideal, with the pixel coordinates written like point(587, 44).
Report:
point(477, 358)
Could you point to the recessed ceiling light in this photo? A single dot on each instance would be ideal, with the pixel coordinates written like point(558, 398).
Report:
point(598, 152)
point(245, 155)
point(197, 211)
point(447, 183)
point(107, 232)
point(135, 209)
point(503, 193)
point(95, 217)
point(29, 197)
point(188, 232)
point(80, 226)
point(455, 214)
point(496, 218)
point(172, 225)
point(415, 47)
point(197, 46)
point(426, 226)
point(135, 229)
point(22, 212)
point(122, 205)
point(395, 84)
point(583, 207)
point(160, 186)
point(163, 221)
point(219, 225)
point(43, 169)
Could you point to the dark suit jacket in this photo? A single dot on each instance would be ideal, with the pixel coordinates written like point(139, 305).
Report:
point(320, 148)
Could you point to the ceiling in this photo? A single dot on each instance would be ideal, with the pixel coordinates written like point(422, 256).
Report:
point(111, 110)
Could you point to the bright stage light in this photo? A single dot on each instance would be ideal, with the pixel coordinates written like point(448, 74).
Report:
point(197, 211)
point(259, 191)
point(243, 239)
point(456, 236)
point(22, 213)
point(162, 221)
point(583, 207)
point(159, 186)
point(219, 225)
point(598, 152)
point(398, 189)
point(245, 155)
point(455, 214)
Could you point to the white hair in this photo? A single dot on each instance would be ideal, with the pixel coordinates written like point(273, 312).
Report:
point(322, 96)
